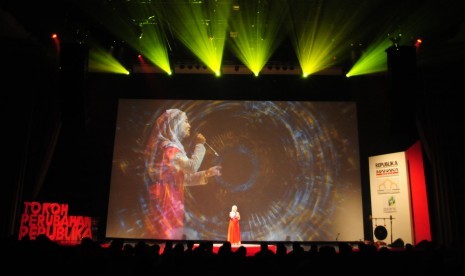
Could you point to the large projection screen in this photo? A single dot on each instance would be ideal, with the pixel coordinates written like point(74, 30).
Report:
point(291, 167)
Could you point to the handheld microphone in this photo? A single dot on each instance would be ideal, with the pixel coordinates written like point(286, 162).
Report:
point(214, 151)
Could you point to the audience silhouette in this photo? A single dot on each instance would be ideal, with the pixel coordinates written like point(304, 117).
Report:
point(183, 257)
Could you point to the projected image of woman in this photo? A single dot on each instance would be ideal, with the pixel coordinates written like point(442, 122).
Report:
point(234, 231)
point(170, 169)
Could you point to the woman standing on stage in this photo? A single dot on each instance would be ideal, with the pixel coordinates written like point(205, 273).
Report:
point(234, 232)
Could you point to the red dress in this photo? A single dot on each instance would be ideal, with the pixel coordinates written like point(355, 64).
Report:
point(234, 231)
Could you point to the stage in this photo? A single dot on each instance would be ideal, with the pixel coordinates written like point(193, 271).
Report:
point(251, 249)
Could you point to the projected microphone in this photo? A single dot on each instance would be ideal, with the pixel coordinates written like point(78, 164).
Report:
point(337, 237)
point(214, 151)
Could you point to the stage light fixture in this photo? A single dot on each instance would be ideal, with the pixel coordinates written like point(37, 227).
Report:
point(395, 39)
point(235, 70)
point(191, 68)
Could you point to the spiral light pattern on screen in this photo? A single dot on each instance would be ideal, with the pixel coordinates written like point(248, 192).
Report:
point(293, 136)
point(285, 164)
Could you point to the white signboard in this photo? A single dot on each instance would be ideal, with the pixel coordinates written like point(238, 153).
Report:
point(390, 198)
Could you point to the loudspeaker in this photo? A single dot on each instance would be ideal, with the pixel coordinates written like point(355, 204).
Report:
point(402, 60)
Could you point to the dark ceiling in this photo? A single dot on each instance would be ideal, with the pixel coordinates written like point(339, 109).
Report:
point(80, 20)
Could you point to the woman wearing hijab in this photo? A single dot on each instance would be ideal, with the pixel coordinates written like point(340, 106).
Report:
point(170, 169)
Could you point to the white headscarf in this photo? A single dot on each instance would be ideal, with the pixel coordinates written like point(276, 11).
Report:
point(168, 128)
